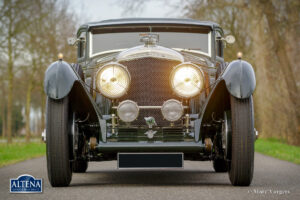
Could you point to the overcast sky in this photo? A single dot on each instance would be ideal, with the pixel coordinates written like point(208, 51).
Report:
point(96, 10)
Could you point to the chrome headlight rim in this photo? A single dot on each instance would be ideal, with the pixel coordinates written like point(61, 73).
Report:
point(179, 114)
point(130, 102)
point(98, 76)
point(194, 66)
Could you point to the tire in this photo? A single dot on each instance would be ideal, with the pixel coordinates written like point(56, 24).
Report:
point(79, 166)
point(242, 150)
point(220, 165)
point(57, 144)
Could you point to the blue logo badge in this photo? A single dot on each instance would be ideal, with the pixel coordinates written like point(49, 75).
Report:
point(26, 184)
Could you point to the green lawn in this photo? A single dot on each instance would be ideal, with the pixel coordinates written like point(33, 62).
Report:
point(16, 152)
point(278, 149)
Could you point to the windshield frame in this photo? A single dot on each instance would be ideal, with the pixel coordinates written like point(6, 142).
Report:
point(208, 54)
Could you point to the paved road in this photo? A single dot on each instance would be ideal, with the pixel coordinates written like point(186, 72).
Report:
point(273, 179)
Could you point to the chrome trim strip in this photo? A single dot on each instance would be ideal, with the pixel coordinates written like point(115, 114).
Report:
point(90, 44)
point(209, 44)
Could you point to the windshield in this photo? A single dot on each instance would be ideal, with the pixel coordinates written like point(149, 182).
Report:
point(188, 38)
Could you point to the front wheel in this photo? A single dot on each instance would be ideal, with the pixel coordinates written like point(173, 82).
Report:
point(242, 144)
point(57, 144)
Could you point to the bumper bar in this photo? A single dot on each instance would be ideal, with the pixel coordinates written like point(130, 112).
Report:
point(114, 147)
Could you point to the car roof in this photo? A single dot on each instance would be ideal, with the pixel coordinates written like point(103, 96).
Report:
point(133, 21)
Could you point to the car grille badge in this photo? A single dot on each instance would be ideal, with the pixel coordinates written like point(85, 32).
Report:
point(150, 121)
point(150, 134)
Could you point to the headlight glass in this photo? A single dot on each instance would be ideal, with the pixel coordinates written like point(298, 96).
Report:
point(113, 80)
point(172, 110)
point(128, 111)
point(187, 80)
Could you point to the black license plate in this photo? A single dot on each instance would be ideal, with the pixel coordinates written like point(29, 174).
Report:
point(150, 160)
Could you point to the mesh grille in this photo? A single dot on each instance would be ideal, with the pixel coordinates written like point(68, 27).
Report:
point(150, 86)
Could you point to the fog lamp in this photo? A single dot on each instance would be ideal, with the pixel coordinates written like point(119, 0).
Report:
point(187, 80)
point(172, 110)
point(128, 111)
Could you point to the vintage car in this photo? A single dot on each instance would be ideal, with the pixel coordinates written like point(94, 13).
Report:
point(150, 93)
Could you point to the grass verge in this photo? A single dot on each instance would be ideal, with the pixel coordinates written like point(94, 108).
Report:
point(16, 152)
point(277, 149)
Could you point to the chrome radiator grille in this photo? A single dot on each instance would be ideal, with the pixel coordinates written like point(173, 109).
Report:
point(150, 86)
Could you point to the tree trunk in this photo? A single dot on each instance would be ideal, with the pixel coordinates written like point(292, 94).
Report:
point(3, 107)
point(286, 67)
point(10, 87)
point(292, 48)
point(27, 110)
point(3, 120)
point(28, 100)
point(43, 105)
point(259, 44)
point(43, 102)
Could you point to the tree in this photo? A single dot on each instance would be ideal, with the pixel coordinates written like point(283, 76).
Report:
point(28, 44)
point(278, 31)
point(56, 24)
point(266, 32)
point(12, 25)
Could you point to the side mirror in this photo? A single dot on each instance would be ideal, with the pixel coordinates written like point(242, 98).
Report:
point(230, 39)
point(72, 41)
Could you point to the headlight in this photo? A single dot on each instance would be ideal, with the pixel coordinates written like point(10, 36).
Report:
point(187, 80)
point(128, 111)
point(113, 80)
point(172, 110)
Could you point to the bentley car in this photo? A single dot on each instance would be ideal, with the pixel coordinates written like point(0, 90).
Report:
point(150, 93)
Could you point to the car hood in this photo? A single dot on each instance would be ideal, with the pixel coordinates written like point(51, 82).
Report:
point(154, 51)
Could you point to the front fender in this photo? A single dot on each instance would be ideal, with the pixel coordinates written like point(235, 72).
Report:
point(240, 79)
point(59, 79)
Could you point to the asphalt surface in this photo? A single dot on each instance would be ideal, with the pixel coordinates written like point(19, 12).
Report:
point(273, 179)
